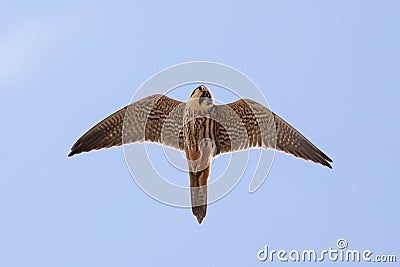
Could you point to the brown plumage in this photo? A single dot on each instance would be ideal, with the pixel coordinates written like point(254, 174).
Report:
point(264, 129)
point(141, 121)
point(203, 130)
point(198, 192)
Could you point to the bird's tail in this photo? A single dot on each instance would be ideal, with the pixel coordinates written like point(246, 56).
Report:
point(198, 192)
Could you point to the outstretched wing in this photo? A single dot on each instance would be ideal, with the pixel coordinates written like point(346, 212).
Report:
point(156, 118)
point(260, 127)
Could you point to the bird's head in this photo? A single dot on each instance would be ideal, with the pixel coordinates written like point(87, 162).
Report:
point(202, 96)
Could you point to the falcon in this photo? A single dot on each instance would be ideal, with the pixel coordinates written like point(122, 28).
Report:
point(201, 129)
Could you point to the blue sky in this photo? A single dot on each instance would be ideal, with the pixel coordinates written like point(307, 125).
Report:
point(330, 68)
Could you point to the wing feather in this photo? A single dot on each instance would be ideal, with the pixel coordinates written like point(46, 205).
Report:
point(156, 118)
point(262, 128)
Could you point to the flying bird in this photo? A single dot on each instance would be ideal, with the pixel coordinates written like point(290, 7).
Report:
point(201, 129)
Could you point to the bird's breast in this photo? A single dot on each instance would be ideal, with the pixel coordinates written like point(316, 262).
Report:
point(199, 135)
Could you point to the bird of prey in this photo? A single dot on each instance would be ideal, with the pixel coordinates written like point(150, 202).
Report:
point(201, 129)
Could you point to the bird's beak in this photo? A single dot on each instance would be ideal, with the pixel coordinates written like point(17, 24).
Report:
point(205, 96)
point(201, 99)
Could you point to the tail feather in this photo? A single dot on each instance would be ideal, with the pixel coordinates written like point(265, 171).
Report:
point(198, 192)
